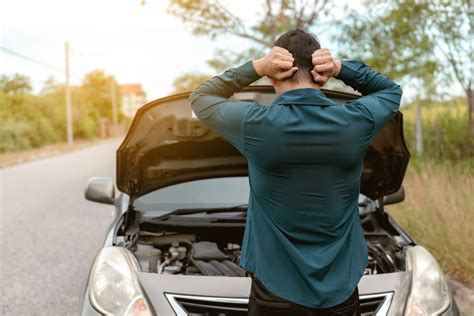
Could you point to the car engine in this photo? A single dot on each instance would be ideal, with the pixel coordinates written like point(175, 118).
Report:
point(184, 255)
point(210, 249)
point(190, 258)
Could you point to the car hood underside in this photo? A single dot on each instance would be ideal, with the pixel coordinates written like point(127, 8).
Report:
point(166, 144)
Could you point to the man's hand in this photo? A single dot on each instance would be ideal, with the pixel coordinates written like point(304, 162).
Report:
point(277, 64)
point(325, 66)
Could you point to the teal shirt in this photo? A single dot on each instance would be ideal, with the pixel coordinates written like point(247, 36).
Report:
point(303, 238)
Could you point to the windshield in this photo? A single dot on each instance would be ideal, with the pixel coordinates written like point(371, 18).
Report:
point(207, 193)
point(202, 194)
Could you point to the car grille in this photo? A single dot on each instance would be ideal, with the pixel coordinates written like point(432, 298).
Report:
point(194, 305)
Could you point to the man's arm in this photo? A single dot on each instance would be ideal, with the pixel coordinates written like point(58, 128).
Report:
point(381, 96)
point(210, 101)
point(211, 105)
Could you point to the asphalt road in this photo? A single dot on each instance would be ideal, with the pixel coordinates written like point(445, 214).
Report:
point(49, 234)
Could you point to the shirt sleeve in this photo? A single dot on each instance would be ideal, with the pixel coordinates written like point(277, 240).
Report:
point(210, 102)
point(381, 96)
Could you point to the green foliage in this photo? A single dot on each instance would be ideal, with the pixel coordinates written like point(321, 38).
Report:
point(17, 84)
point(29, 121)
point(390, 38)
point(14, 135)
point(211, 18)
point(449, 26)
point(188, 82)
point(445, 137)
point(420, 42)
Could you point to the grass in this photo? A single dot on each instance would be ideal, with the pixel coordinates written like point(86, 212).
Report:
point(438, 213)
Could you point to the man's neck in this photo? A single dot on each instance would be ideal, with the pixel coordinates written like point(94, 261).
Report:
point(283, 87)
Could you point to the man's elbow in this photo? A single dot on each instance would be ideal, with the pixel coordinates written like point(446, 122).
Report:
point(397, 90)
point(193, 97)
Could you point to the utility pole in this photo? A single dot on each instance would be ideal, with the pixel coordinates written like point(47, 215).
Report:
point(70, 139)
point(113, 97)
point(418, 130)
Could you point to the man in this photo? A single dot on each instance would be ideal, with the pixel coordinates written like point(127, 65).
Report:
point(303, 243)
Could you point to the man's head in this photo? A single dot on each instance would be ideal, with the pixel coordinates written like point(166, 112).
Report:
point(301, 44)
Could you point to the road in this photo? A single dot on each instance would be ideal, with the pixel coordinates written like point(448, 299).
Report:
point(49, 234)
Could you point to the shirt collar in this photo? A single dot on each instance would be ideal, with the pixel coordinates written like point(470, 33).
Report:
point(304, 96)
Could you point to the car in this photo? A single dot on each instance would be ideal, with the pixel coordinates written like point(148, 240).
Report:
point(174, 243)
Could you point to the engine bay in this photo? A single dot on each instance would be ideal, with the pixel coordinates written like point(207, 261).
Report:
point(215, 251)
point(190, 258)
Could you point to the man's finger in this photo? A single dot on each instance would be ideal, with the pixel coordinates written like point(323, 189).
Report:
point(321, 60)
point(321, 51)
point(286, 58)
point(286, 74)
point(283, 65)
point(323, 67)
point(318, 78)
point(281, 50)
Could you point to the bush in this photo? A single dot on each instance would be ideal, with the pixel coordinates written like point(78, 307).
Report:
point(446, 137)
point(25, 122)
point(14, 136)
point(35, 120)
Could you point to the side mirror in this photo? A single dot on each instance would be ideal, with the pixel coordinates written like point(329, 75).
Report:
point(396, 197)
point(100, 189)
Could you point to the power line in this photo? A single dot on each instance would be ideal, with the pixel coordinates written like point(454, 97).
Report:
point(30, 59)
point(58, 70)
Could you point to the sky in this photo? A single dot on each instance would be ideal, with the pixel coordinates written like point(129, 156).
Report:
point(135, 43)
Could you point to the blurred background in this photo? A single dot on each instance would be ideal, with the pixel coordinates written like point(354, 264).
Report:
point(73, 73)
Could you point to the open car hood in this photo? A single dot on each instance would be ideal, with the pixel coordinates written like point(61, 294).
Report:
point(166, 144)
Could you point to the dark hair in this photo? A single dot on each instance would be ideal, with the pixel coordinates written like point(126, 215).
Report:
point(301, 44)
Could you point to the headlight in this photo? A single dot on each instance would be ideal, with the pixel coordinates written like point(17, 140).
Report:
point(114, 288)
point(429, 293)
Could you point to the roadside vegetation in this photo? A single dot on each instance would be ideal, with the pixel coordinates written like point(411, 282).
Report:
point(446, 138)
point(33, 120)
point(438, 211)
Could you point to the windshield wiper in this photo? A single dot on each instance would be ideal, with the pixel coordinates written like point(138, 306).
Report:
point(188, 211)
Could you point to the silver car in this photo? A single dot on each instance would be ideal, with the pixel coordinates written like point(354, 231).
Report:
point(173, 247)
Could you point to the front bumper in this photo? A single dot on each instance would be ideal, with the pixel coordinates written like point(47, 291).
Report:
point(166, 291)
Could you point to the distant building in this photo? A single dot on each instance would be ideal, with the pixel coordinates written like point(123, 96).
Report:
point(133, 97)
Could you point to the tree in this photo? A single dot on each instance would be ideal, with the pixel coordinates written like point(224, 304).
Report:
point(211, 18)
point(187, 82)
point(97, 89)
point(15, 84)
point(390, 38)
point(50, 86)
point(416, 41)
point(93, 101)
point(450, 25)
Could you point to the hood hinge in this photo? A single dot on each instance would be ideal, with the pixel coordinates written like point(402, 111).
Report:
point(380, 205)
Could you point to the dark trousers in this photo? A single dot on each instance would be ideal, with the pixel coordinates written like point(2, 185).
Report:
point(264, 303)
